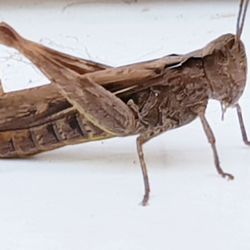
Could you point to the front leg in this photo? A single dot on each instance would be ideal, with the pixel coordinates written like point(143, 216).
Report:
point(211, 139)
point(242, 126)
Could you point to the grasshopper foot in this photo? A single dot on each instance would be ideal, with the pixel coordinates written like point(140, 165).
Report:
point(227, 176)
point(145, 199)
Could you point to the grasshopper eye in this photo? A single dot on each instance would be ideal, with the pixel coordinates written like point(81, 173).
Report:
point(231, 43)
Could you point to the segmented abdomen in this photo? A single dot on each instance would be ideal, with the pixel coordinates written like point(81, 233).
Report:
point(70, 128)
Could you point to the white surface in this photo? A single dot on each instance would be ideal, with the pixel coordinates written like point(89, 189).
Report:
point(87, 196)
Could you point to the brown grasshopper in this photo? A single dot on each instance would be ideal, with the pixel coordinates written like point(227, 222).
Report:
point(88, 101)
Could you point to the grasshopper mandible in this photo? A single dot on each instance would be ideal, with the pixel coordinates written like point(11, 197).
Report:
point(88, 101)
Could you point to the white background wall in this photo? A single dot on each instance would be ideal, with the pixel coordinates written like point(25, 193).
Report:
point(87, 196)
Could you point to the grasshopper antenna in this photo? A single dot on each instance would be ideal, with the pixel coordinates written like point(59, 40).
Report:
point(241, 18)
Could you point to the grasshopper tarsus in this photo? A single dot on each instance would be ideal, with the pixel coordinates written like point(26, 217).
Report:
point(145, 200)
point(227, 176)
point(218, 166)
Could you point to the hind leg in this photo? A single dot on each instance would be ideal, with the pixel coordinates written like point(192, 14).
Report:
point(97, 104)
point(9, 37)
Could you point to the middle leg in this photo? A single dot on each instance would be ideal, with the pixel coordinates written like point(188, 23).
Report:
point(211, 139)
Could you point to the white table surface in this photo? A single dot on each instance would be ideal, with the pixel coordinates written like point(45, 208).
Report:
point(87, 196)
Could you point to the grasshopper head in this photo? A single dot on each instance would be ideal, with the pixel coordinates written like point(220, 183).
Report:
point(225, 64)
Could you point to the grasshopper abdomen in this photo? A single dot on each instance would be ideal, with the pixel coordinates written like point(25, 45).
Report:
point(71, 128)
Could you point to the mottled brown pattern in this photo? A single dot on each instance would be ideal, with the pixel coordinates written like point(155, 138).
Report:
point(88, 101)
point(72, 128)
